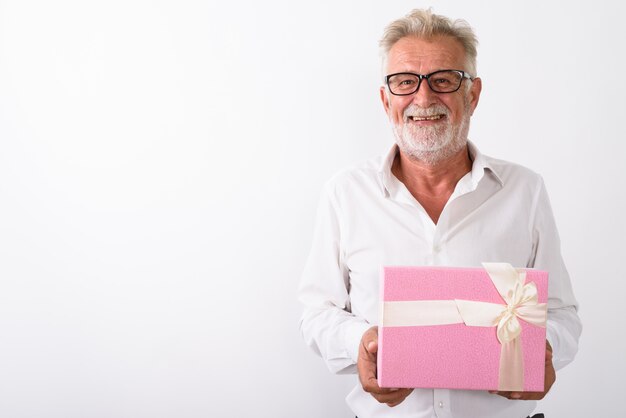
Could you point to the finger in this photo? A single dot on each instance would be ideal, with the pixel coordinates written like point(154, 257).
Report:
point(529, 396)
point(394, 398)
point(504, 394)
point(366, 367)
point(367, 375)
point(384, 395)
point(371, 386)
point(392, 404)
point(524, 396)
point(370, 341)
point(388, 398)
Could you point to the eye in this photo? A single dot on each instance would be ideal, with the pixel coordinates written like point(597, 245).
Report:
point(441, 81)
point(404, 81)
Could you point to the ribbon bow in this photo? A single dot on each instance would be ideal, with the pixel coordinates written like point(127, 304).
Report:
point(521, 302)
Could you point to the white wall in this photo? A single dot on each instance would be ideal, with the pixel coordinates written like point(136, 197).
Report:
point(160, 164)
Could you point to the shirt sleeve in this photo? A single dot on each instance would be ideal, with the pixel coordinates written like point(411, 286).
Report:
point(327, 324)
point(563, 326)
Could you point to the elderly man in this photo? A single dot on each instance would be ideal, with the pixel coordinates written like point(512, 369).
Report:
point(433, 200)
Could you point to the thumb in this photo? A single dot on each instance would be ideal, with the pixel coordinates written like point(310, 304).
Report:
point(548, 351)
point(372, 347)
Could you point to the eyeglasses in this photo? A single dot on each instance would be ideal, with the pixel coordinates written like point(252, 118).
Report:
point(442, 81)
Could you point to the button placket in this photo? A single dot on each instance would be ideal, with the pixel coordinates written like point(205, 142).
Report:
point(441, 402)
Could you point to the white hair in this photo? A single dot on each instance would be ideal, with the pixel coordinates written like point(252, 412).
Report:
point(425, 24)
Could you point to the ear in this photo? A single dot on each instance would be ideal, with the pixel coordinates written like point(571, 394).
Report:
point(474, 93)
point(385, 99)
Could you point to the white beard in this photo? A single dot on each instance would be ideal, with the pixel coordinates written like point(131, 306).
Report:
point(431, 144)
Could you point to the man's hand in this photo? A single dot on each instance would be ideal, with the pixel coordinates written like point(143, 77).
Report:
point(366, 366)
point(550, 377)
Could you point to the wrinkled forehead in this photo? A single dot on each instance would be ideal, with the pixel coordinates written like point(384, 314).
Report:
point(425, 55)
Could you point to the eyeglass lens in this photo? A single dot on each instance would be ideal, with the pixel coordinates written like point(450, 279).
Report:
point(439, 81)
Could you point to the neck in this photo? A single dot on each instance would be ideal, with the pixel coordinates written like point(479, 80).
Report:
point(432, 184)
point(432, 176)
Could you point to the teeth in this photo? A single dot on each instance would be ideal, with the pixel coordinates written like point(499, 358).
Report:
point(418, 118)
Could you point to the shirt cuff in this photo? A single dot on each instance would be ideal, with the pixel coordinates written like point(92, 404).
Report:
point(353, 336)
point(564, 347)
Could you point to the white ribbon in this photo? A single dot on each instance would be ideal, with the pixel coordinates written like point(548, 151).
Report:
point(521, 302)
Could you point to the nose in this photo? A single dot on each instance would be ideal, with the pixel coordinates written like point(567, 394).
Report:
point(424, 96)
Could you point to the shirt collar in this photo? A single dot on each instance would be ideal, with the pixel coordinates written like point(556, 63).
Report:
point(481, 164)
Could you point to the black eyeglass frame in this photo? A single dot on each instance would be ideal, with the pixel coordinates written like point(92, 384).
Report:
point(426, 77)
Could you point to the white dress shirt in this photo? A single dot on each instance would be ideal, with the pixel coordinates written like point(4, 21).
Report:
point(498, 212)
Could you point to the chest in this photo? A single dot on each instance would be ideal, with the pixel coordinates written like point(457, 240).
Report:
point(469, 231)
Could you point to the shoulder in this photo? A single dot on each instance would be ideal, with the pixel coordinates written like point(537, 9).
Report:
point(513, 174)
point(359, 174)
point(363, 177)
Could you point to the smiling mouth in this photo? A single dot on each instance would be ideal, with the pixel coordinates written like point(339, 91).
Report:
point(422, 118)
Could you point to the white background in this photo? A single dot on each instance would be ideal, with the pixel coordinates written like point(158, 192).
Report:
point(160, 165)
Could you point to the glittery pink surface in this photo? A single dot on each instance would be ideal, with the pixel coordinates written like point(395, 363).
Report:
point(452, 356)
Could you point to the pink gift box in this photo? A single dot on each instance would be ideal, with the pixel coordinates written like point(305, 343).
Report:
point(454, 355)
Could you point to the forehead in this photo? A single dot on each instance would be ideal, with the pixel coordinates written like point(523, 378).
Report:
point(426, 55)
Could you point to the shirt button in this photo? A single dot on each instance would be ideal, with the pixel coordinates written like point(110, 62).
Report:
point(436, 249)
point(440, 404)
